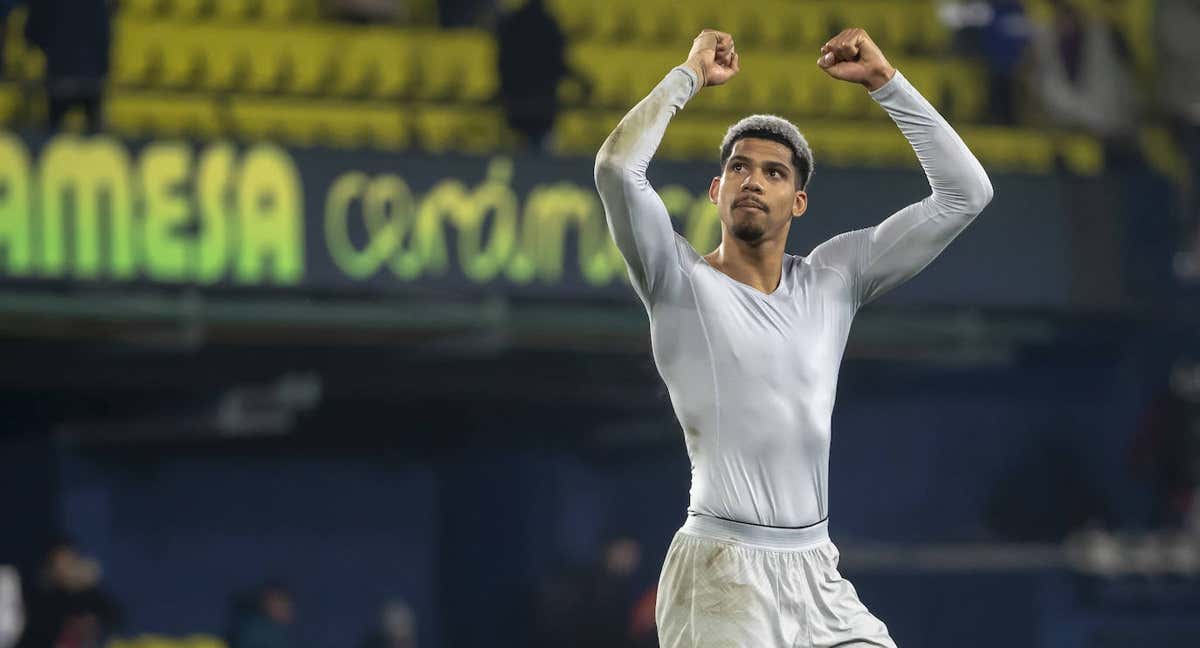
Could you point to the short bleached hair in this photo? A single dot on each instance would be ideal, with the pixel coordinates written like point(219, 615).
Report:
point(776, 129)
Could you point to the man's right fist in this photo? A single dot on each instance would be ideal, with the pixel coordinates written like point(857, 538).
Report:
point(713, 57)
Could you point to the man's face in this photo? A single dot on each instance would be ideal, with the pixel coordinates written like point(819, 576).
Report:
point(756, 192)
point(61, 567)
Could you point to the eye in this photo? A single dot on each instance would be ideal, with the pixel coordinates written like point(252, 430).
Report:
point(774, 173)
point(737, 166)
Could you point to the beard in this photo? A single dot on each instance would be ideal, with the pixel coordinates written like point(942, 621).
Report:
point(748, 230)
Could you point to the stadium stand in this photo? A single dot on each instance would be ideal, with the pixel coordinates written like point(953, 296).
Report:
point(256, 69)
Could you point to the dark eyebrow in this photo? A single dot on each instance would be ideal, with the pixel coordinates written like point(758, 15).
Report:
point(779, 166)
point(769, 164)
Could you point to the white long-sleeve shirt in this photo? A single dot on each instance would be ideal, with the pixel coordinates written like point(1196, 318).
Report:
point(752, 376)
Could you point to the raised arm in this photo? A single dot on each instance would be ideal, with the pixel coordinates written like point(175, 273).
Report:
point(877, 259)
point(636, 215)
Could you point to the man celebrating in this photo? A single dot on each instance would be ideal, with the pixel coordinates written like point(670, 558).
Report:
point(749, 340)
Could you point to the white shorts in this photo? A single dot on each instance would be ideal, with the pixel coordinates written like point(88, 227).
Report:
point(732, 585)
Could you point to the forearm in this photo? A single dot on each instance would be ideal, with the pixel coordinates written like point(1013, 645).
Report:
point(632, 143)
point(958, 182)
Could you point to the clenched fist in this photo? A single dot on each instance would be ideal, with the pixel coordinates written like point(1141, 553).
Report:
point(853, 56)
point(713, 57)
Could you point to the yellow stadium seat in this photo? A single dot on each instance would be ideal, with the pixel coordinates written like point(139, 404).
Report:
point(1009, 148)
point(21, 60)
point(226, 60)
point(465, 130)
point(379, 63)
point(141, 8)
point(459, 64)
point(580, 132)
point(695, 139)
point(621, 76)
point(327, 123)
point(789, 26)
point(308, 57)
point(140, 114)
point(288, 10)
point(187, 10)
point(10, 103)
point(232, 10)
point(132, 53)
point(265, 51)
point(573, 17)
point(181, 48)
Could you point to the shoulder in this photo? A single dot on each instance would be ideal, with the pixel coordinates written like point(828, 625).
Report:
point(815, 268)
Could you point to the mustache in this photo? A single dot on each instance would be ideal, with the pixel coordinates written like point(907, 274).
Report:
point(752, 202)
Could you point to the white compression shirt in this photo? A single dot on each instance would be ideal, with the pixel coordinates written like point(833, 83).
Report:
point(752, 376)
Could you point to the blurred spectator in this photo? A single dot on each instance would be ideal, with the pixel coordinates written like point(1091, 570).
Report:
point(74, 36)
point(532, 61)
point(268, 622)
point(1003, 43)
point(69, 610)
point(397, 628)
point(594, 607)
point(465, 13)
point(1176, 27)
point(998, 32)
point(12, 611)
point(365, 11)
point(643, 629)
point(1083, 75)
point(1166, 450)
point(6, 7)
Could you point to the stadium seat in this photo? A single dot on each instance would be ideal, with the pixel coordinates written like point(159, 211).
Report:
point(21, 61)
point(10, 102)
point(232, 10)
point(144, 9)
point(287, 10)
point(456, 64)
point(465, 130)
point(783, 25)
point(185, 10)
point(143, 114)
point(307, 58)
point(314, 122)
point(621, 76)
point(377, 63)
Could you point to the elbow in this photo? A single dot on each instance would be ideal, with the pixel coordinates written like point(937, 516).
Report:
point(609, 168)
point(976, 193)
point(966, 200)
point(980, 195)
point(612, 170)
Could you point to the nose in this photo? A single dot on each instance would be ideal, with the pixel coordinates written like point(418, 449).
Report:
point(753, 182)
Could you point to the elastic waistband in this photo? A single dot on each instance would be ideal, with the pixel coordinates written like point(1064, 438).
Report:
point(763, 537)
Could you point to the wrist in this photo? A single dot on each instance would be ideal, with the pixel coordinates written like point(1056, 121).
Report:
point(879, 78)
point(695, 66)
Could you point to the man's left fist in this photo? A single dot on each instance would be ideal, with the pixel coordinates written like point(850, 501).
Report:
point(853, 56)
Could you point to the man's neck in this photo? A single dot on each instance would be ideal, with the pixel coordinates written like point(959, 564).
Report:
point(758, 266)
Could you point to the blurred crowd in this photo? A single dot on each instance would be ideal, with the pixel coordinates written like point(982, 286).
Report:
point(66, 606)
point(605, 602)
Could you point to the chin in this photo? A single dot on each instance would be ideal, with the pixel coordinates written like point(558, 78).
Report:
point(748, 232)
